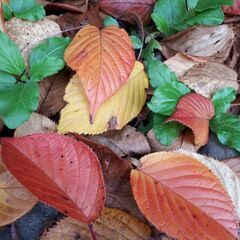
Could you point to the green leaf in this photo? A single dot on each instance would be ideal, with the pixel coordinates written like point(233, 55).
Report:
point(137, 43)
point(47, 58)
point(6, 80)
point(191, 3)
point(166, 97)
point(17, 102)
point(166, 133)
point(110, 21)
point(160, 74)
point(148, 52)
point(167, 13)
point(226, 126)
point(7, 11)
point(27, 9)
point(222, 99)
point(204, 5)
point(11, 60)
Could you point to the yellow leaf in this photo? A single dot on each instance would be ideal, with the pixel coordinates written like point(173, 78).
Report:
point(112, 224)
point(115, 113)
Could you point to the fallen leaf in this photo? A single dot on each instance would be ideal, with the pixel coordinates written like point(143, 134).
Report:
point(193, 42)
point(185, 141)
point(207, 78)
point(176, 193)
point(234, 164)
point(125, 142)
point(36, 124)
point(28, 34)
point(234, 9)
point(2, 27)
point(15, 200)
point(116, 171)
point(112, 224)
point(114, 114)
point(48, 168)
point(124, 9)
point(58, 7)
point(103, 60)
point(52, 90)
point(226, 176)
point(194, 111)
point(68, 21)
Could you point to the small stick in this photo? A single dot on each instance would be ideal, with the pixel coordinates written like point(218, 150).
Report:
point(94, 237)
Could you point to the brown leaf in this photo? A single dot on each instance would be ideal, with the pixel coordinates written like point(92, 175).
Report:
point(68, 21)
point(125, 142)
point(234, 164)
point(2, 27)
point(193, 42)
point(206, 78)
point(52, 90)
point(36, 124)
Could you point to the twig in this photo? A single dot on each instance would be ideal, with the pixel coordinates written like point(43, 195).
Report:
point(94, 237)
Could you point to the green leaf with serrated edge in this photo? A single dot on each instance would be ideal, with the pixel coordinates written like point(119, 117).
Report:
point(6, 80)
point(136, 41)
point(110, 21)
point(11, 60)
point(222, 99)
point(166, 97)
point(27, 9)
point(7, 11)
point(48, 56)
point(166, 133)
point(226, 126)
point(148, 52)
point(160, 73)
point(18, 102)
point(204, 5)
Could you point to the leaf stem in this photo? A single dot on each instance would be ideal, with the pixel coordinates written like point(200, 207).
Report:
point(94, 237)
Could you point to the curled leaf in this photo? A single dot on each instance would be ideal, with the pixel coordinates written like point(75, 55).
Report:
point(181, 197)
point(103, 60)
point(113, 114)
point(194, 111)
point(59, 171)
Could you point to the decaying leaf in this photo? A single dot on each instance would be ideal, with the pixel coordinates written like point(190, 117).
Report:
point(116, 171)
point(27, 34)
point(114, 114)
point(194, 111)
point(206, 78)
point(103, 60)
point(15, 200)
point(227, 177)
point(125, 142)
point(112, 224)
point(2, 27)
point(181, 197)
point(234, 9)
point(52, 90)
point(125, 9)
point(234, 164)
point(185, 141)
point(211, 43)
point(58, 170)
point(36, 124)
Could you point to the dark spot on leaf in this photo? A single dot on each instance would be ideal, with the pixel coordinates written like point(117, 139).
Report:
point(112, 123)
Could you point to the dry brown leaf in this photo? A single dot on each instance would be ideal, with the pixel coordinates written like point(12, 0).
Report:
point(36, 124)
point(52, 90)
point(27, 34)
point(185, 141)
point(112, 224)
point(125, 142)
point(234, 164)
point(206, 78)
point(211, 43)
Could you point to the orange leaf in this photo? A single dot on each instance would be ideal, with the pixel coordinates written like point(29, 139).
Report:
point(103, 59)
point(183, 198)
point(125, 9)
point(60, 171)
point(194, 111)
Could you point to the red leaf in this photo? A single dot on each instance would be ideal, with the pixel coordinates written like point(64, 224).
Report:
point(60, 171)
point(234, 9)
point(123, 9)
point(194, 111)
